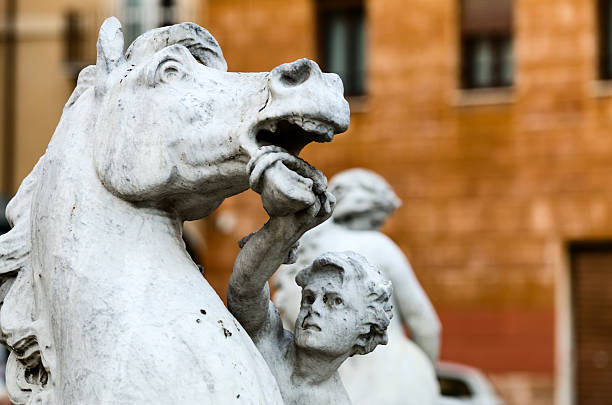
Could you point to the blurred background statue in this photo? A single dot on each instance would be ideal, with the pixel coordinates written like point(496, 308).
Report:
point(364, 201)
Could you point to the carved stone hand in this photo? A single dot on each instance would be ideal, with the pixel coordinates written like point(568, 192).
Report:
point(298, 223)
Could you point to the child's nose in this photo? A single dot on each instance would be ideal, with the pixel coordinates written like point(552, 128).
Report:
point(315, 308)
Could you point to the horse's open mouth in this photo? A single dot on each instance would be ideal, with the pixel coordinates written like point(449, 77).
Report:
point(287, 183)
point(293, 133)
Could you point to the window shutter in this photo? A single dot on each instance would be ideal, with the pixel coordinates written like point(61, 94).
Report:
point(482, 17)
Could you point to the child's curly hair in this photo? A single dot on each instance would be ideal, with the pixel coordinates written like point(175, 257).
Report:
point(376, 292)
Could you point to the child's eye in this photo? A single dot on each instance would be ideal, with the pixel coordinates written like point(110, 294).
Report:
point(338, 301)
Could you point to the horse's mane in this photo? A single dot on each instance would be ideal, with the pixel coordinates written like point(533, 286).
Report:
point(19, 327)
point(15, 244)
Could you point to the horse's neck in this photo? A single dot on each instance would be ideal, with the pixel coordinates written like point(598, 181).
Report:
point(98, 217)
point(74, 206)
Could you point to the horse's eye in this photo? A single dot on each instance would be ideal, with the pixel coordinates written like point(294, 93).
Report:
point(325, 299)
point(338, 301)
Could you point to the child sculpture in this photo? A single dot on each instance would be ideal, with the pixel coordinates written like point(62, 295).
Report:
point(345, 308)
point(364, 201)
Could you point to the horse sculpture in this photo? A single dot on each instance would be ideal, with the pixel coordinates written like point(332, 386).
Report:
point(101, 302)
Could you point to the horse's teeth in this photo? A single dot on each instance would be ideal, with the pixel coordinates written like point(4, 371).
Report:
point(316, 127)
point(269, 126)
point(309, 126)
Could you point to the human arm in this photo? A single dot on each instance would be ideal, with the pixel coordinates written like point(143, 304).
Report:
point(415, 308)
point(263, 252)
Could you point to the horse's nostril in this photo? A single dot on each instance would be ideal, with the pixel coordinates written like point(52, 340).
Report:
point(295, 73)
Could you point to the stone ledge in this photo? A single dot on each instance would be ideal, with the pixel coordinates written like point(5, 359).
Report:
point(486, 96)
point(358, 104)
point(602, 88)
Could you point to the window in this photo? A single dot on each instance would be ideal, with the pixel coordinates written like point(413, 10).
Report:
point(342, 42)
point(142, 15)
point(79, 36)
point(134, 20)
point(486, 43)
point(73, 37)
point(167, 13)
point(605, 39)
point(75, 55)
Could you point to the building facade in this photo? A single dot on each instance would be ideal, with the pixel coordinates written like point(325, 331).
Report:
point(492, 122)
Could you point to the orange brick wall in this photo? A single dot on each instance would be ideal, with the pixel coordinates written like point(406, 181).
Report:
point(491, 192)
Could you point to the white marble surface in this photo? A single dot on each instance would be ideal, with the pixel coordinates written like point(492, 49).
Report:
point(102, 304)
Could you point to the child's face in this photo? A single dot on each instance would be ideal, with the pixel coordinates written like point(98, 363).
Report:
point(329, 320)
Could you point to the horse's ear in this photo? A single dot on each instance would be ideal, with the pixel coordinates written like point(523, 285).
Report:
point(110, 47)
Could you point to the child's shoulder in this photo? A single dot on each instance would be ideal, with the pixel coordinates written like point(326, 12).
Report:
point(273, 333)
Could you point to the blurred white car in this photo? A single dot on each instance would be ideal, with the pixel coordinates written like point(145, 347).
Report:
point(464, 385)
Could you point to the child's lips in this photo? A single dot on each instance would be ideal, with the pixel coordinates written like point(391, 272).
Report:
point(311, 326)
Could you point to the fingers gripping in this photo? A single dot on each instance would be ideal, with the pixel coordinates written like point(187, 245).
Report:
point(269, 155)
point(286, 183)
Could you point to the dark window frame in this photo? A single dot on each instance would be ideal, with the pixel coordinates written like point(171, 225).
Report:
point(74, 43)
point(167, 10)
point(353, 12)
point(468, 50)
point(604, 31)
point(498, 39)
point(73, 36)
